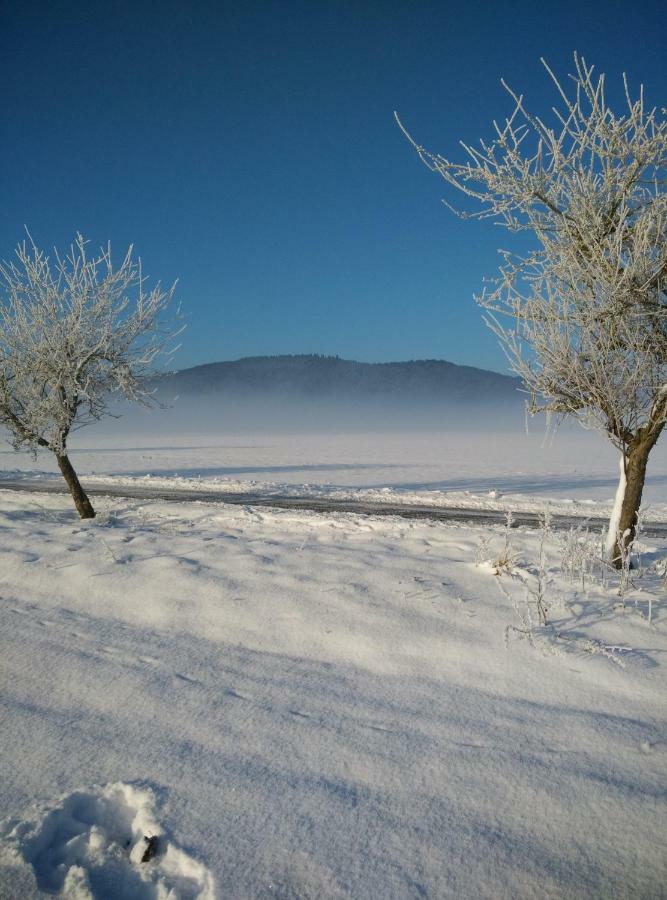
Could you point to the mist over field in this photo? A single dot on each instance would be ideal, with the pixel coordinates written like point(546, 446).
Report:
point(287, 413)
point(327, 394)
point(319, 421)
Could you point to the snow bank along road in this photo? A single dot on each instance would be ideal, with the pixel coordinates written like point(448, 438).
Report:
point(471, 515)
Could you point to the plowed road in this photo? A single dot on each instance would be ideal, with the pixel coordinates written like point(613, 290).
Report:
point(327, 505)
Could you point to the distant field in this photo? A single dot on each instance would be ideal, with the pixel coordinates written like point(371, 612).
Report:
point(573, 465)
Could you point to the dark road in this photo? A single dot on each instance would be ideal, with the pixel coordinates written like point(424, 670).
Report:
point(470, 516)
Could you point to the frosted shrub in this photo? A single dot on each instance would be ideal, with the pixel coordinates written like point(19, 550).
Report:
point(505, 561)
point(539, 594)
point(483, 550)
point(581, 555)
point(507, 558)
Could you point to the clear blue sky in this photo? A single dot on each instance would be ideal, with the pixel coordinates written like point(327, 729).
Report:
point(249, 150)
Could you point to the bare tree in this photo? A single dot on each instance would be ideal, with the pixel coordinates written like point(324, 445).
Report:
point(582, 316)
point(74, 332)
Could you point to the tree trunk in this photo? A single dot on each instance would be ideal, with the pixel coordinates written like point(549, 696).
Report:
point(615, 517)
point(635, 475)
point(83, 505)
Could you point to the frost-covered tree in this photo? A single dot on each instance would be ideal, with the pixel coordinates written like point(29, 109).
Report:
point(582, 314)
point(74, 332)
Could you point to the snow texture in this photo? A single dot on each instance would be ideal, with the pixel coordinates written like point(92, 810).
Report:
point(320, 706)
point(94, 843)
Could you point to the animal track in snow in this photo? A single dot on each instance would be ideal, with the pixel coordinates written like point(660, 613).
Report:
point(93, 844)
point(188, 679)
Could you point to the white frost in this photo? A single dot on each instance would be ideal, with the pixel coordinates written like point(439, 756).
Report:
point(615, 516)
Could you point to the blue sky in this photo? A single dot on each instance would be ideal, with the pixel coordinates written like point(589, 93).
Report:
point(249, 150)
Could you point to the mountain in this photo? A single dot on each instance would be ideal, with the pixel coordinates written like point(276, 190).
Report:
point(313, 377)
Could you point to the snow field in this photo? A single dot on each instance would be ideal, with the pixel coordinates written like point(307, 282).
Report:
point(323, 705)
point(94, 843)
point(575, 472)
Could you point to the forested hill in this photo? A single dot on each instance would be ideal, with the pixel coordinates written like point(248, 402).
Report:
point(312, 376)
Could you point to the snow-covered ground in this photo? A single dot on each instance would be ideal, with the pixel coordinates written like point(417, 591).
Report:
point(308, 705)
point(575, 472)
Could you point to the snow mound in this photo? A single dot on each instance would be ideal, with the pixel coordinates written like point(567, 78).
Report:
point(105, 843)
